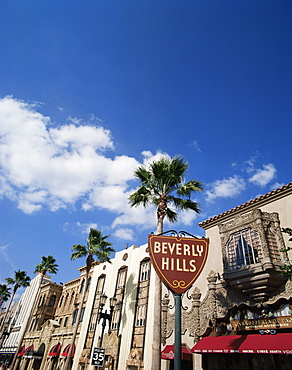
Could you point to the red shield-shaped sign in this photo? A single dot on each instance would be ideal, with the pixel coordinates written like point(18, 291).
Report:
point(178, 261)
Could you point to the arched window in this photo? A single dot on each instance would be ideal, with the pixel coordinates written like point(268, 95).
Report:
point(141, 315)
point(88, 284)
point(145, 270)
point(52, 301)
point(243, 249)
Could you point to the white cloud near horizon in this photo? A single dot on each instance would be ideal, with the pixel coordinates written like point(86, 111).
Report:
point(225, 188)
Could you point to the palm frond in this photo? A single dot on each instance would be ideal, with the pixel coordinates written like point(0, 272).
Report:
point(78, 251)
point(47, 264)
point(171, 215)
point(142, 196)
point(97, 245)
point(159, 183)
point(190, 187)
point(185, 204)
point(20, 280)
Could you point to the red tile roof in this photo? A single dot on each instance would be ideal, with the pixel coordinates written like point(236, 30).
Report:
point(272, 195)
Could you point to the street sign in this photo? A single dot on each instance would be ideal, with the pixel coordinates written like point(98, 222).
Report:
point(178, 261)
point(98, 357)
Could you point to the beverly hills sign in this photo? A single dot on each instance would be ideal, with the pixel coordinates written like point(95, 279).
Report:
point(178, 260)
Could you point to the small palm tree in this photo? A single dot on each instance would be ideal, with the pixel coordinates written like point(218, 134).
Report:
point(162, 185)
point(48, 264)
point(97, 246)
point(19, 280)
point(4, 293)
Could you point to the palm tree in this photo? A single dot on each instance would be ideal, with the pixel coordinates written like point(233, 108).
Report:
point(97, 246)
point(48, 264)
point(20, 280)
point(162, 185)
point(4, 293)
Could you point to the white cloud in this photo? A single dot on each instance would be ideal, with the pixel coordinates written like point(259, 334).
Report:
point(196, 146)
point(85, 227)
point(277, 185)
point(150, 157)
point(226, 188)
point(145, 218)
point(42, 165)
point(187, 217)
point(263, 176)
point(5, 255)
point(125, 234)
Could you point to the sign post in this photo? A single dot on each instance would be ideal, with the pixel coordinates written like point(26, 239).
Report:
point(98, 357)
point(178, 262)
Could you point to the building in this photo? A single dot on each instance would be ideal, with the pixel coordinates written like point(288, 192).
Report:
point(19, 322)
point(127, 340)
point(240, 312)
point(236, 315)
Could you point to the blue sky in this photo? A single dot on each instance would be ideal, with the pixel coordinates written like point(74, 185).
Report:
point(89, 90)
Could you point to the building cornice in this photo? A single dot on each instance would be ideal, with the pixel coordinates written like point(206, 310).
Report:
point(248, 206)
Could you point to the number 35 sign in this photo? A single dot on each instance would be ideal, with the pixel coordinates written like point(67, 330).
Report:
point(98, 357)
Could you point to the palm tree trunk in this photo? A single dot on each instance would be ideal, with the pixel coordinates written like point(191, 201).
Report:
point(156, 341)
point(67, 364)
point(7, 310)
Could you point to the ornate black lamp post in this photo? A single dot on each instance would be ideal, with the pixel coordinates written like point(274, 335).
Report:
point(104, 315)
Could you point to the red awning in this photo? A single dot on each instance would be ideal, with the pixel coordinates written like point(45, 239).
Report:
point(168, 353)
point(67, 350)
point(28, 351)
point(55, 351)
point(253, 343)
point(21, 351)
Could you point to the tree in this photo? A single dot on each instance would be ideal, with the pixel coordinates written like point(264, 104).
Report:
point(19, 280)
point(97, 246)
point(48, 264)
point(4, 293)
point(286, 268)
point(162, 185)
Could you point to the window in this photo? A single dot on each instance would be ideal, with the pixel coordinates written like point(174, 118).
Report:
point(66, 321)
point(75, 313)
point(61, 301)
point(121, 278)
point(82, 314)
point(140, 315)
point(93, 320)
point(88, 284)
point(100, 284)
point(116, 317)
point(243, 249)
point(52, 301)
point(82, 286)
point(71, 299)
point(145, 270)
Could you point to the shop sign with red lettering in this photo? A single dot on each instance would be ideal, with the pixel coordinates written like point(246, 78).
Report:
point(178, 261)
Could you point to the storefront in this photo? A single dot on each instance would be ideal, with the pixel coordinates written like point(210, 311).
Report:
point(186, 357)
point(251, 351)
